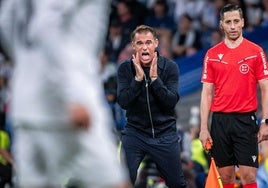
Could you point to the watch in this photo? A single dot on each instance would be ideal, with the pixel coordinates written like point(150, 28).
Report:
point(264, 121)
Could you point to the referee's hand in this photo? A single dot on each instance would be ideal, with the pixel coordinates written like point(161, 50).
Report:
point(263, 132)
point(205, 137)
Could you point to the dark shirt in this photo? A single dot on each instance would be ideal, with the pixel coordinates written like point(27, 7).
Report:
point(161, 96)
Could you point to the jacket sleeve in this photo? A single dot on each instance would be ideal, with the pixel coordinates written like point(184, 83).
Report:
point(128, 89)
point(166, 92)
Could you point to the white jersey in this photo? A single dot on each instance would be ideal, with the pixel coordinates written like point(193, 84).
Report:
point(54, 45)
point(53, 69)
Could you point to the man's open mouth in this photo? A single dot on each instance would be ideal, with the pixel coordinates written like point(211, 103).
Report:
point(145, 56)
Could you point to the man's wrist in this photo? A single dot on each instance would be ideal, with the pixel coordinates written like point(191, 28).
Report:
point(138, 79)
point(153, 78)
point(264, 121)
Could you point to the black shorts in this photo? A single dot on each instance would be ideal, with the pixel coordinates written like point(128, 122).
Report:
point(235, 139)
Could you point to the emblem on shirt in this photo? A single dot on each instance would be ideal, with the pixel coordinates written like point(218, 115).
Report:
point(220, 56)
point(244, 68)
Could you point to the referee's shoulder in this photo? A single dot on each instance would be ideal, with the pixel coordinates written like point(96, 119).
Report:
point(253, 45)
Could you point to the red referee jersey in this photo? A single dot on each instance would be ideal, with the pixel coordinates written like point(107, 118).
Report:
point(235, 73)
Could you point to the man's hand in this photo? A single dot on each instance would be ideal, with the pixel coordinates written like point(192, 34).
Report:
point(153, 69)
point(204, 136)
point(138, 68)
point(263, 133)
point(79, 116)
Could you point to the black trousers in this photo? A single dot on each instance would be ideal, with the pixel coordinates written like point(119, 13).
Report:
point(164, 151)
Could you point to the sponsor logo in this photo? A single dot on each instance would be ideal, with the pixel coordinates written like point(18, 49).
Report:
point(220, 56)
point(254, 157)
point(244, 68)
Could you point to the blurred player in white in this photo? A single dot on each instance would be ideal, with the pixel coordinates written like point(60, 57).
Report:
point(57, 105)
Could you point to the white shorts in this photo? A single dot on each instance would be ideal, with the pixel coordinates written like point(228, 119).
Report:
point(51, 157)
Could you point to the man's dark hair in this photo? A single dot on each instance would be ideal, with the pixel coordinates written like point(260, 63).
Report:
point(230, 7)
point(143, 29)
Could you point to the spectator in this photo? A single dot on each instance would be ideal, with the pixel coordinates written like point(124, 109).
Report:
point(108, 76)
point(253, 14)
point(185, 144)
point(186, 40)
point(163, 24)
point(126, 18)
point(6, 158)
point(193, 8)
point(199, 157)
point(211, 14)
point(138, 9)
point(264, 21)
point(115, 41)
point(214, 38)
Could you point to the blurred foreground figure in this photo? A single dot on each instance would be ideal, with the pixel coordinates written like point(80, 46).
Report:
point(57, 106)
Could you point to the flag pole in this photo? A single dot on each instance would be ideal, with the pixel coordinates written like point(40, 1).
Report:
point(213, 179)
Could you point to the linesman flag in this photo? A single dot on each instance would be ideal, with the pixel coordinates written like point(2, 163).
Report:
point(213, 178)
